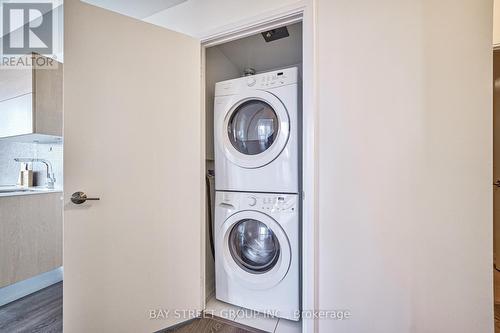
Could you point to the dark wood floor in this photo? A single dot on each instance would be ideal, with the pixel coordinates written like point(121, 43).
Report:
point(212, 325)
point(40, 312)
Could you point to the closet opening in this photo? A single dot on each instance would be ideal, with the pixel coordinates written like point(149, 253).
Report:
point(254, 166)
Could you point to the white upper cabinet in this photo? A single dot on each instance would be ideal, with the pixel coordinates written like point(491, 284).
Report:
point(16, 116)
point(31, 103)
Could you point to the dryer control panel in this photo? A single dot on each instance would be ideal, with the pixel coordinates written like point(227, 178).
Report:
point(263, 81)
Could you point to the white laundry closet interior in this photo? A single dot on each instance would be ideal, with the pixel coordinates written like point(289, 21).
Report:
point(227, 61)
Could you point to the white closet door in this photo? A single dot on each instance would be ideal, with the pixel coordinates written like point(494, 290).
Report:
point(132, 130)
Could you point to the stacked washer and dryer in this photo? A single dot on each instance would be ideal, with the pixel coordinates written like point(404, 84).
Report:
point(257, 204)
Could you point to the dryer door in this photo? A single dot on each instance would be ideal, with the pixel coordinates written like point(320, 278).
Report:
point(256, 129)
point(256, 250)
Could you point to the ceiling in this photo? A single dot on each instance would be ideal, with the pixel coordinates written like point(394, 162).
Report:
point(254, 52)
point(197, 18)
point(139, 9)
point(202, 18)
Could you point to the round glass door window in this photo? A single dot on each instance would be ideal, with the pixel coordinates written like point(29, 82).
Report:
point(253, 127)
point(254, 246)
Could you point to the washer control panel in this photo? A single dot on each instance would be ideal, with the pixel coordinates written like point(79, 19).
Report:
point(251, 81)
point(251, 201)
point(273, 79)
point(262, 202)
point(271, 202)
point(261, 81)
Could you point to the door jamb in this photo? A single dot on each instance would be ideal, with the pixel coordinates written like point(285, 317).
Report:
point(304, 11)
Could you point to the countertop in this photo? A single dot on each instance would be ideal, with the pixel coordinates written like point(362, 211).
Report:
point(12, 190)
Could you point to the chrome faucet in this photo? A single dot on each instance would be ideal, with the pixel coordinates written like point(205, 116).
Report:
point(51, 179)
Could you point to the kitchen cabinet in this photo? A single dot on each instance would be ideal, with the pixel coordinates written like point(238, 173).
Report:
point(31, 103)
point(30, 235)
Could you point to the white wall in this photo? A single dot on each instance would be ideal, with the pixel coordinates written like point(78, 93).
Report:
point(405, 118)
point(201, 17)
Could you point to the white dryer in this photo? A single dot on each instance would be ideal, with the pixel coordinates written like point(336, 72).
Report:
point(257, 252)
point(256, 128)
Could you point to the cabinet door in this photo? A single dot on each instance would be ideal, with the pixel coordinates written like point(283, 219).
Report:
point(48, 97)
point(16, 115)
point(16, 102)
point(132, 135)
point(31, 232)
point(15, 83)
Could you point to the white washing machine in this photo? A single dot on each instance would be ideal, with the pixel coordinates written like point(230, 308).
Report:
point(256, 127)
point(257, 252)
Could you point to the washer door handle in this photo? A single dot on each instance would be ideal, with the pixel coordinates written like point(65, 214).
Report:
point(226, 205)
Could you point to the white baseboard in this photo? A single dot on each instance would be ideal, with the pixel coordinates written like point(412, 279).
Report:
point(23, 288)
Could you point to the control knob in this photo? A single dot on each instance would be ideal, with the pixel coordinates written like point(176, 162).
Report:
point(252, 201)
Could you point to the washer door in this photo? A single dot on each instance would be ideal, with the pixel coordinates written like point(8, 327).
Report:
point(255, 249)
point(256, 129)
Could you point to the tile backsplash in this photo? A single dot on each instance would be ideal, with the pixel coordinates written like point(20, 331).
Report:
point(9, 169)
